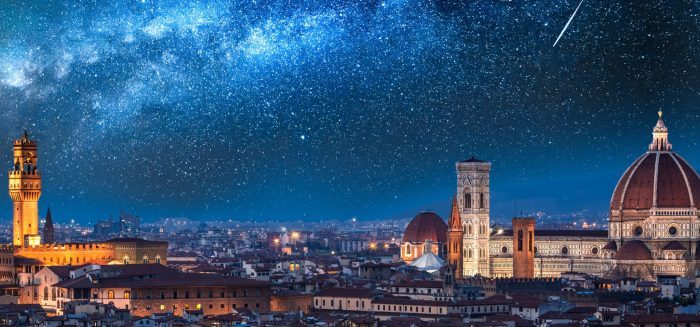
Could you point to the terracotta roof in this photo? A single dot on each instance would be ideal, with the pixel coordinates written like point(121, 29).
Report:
point(674, 245)
point(422, 284)
point(409, 301)
point(133, 240)
point(166, 280)
point(427, 225)
point(346, 292)
point(563, 233)
point(472, 159)
point(610, 246)
point(661, 318)
point(633, 250)
point(635, 190)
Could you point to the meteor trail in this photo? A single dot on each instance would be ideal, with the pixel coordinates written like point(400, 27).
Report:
point(567, 24)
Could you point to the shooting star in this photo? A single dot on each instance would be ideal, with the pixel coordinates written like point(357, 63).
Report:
point(567, 24)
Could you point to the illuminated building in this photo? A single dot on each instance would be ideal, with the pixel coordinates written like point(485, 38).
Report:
point(28, 253)
point(654, 225)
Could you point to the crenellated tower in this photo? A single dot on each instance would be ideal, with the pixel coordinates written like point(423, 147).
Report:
point(25, 190)
point(473, 202)
point(455, 236)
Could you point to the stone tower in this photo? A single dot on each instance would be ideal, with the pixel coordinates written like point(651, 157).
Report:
point(48, 228)
point(455, 240)
point(473, 202)
point(524, 247)
point(25, 190)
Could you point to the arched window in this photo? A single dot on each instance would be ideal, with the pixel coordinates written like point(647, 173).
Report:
point(145, 259)
point(127, 294)
point(46, 292)
point(481, 200)
point(467, 200)
point(408, 248)
point(470, 230)
point(53, 294)
point(157, 259)
point(126, 260)
point(110, 294)
point(520, 240)
point(469, 252)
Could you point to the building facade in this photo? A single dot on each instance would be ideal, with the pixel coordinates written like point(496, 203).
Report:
point(30, 253)
point(654, 225)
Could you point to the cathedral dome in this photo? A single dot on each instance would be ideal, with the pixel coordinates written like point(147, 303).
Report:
point(660, 178)
point(426, 225)
point(633, 250)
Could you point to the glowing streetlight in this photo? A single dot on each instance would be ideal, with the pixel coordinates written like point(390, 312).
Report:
point(372, 245)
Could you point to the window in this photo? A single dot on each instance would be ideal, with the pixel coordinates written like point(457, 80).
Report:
point(157, 259)
point(126, 260)
point(408, 248)
point(127, 294)
point(110, 294)
point(565, 250)
point(672, 231)
point(174, 294)
point(520, 240)
point(162, 306)
point(134, 295)
point(594, 251)
point(531, 239)
point(638, 231)
point(481, 200)
point(504, 249)
point(467, 201)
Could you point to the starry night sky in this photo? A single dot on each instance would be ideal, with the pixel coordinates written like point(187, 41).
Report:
point(319, 109)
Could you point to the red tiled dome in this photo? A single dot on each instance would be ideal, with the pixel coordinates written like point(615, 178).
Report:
point(633, 250)
point(426, 225)
point(659, 178)
point(676, 182)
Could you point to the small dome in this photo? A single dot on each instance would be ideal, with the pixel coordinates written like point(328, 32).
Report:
point(426, 225)
point(611, 246)
point(633, 250)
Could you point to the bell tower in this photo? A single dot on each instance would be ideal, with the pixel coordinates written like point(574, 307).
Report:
point(455, 236)
point(25, 190)
point(473, 203)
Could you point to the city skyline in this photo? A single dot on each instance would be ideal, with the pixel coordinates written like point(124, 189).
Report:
point(318, 110)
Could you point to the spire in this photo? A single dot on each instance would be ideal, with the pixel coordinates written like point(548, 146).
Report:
point(48, 228)
point(455, 221)
point(660, 133)
point(49, 221)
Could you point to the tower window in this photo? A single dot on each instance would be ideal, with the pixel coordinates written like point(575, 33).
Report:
point(520, 240)
point(530, 241)
point(481, 200)
point(467, 201)
point(504, 249)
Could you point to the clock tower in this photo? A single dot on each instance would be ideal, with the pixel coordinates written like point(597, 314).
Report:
point(473, 203)
point(25, 190)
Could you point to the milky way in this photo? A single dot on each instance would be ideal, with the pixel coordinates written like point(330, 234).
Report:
point(332, 109)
